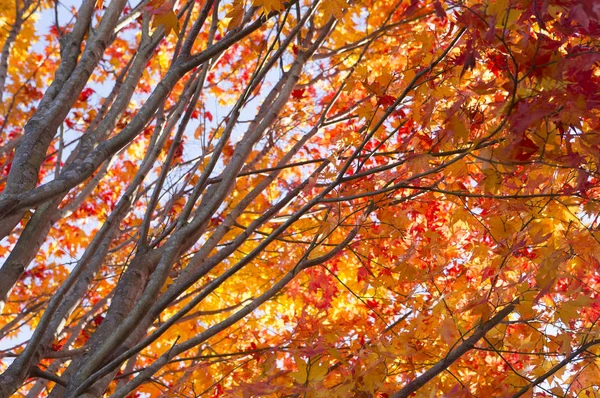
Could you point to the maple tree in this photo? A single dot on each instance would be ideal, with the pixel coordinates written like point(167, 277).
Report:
point(300, 198)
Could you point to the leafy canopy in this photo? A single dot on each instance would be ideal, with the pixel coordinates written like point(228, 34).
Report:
point(300, 198)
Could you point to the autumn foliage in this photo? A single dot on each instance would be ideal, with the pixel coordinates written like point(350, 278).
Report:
point(304, 198)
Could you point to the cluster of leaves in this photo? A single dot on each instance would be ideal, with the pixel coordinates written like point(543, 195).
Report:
point(283, 198)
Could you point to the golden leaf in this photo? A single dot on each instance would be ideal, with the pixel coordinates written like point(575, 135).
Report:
point(168, 21)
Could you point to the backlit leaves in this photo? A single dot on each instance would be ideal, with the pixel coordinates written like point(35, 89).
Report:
point(325, 210)
point(334, 8)
point(269, 6)
point(235, 14)
point(168, 21)
point(163, 16)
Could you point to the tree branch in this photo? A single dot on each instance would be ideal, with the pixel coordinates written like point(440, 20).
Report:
point(455, 354)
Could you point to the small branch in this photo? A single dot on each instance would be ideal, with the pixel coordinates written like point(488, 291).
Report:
point(455, 354)
point(37, 372)
point(568, 359)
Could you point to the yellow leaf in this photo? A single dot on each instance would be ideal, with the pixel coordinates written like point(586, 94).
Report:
point(334, 8)
point(448, 331)
point(26, 217)
point(541, 230)
point(418, 163)
point(235, 15)
point(269, 5)
point(484, 310)
point(317, 252)
point(568, 312)
point(301, 375)
point(373, 380)
point(492, 180)
point(344, 390)
point(365, 111)
point(168, 283)
point(565, 343)
point(461, 134)
point(167, 20)
point(384, 79)
point(309, 372)
point(318, 372)
point(336, 354)
point(509, 18)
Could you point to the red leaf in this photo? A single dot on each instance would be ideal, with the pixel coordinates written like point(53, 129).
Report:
point(373, 304)
point(469, 62)
point(218, 391)
point(467, 57)
point(85, 94)
point(412, 7)
point(6, 169)
point(523, 149)
point(386, 100)
point(439, 10)
point(362, 275)
point(298, 93)
point(179, 150)
point(97, 320)
point(528, 112)
point(579, 14)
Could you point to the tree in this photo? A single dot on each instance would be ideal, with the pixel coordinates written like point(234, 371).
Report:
point(302, 198)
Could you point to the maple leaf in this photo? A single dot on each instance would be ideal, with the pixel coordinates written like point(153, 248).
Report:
point(258, 389)
point(523, 149)
point(468, 57)
point(448, 332)
point(581, 16)
point(300, 375)
point(235, 14)
point(439, 10)
point(168, 20)
point(298, 93)
point(363, 274)
point(85, 94)
point(269, 6)
point(411, 8)
point(528, 112)
point(386, 100)
point(167, 283)
point(158, 7)
point(374, 87)
point(309, 372)
point(334, 9)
